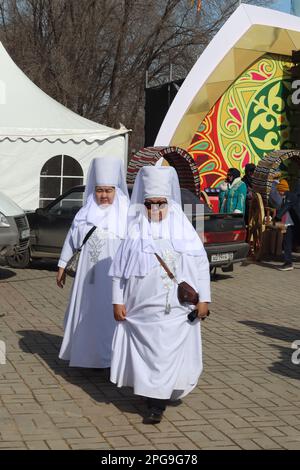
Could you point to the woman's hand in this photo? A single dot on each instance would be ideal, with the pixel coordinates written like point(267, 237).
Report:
point(61, 277)
point(202, 308)
point(119, 312)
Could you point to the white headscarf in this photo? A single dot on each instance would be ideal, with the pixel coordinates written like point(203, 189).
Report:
point(105, 171)
point(135, 256)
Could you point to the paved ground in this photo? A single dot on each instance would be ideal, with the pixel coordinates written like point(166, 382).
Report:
point(248, 396)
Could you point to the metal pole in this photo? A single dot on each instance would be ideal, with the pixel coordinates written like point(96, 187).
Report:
point(146, 79)
point(126, 151)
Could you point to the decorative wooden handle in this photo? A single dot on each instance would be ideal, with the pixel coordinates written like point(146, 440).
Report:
point(169, 273)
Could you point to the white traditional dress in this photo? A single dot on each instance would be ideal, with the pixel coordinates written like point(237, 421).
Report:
point(156, 350)
point(89, 320)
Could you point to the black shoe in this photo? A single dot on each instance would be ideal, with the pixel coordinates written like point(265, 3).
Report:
point(176, 402)
point(154, 416)
point(286, 267)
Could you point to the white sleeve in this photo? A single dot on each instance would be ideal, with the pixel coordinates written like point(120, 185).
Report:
point(117, 290)
point(203, 279)
point(67, 250)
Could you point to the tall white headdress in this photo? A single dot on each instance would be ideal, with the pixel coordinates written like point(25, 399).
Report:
point(136, 255)
point(106, 171)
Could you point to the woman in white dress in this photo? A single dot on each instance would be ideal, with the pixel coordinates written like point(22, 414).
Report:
point(89, 321)
point(156, 349)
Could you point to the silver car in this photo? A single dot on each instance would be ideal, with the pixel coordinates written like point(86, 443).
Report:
point(14, 232)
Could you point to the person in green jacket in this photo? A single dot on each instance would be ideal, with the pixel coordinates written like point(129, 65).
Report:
point(232, 197)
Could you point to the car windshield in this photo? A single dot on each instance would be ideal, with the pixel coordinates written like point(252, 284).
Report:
point(70, 204)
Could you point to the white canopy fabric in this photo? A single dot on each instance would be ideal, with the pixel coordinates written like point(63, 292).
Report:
point(29, 113)
point(34, 128)
point(64, 135)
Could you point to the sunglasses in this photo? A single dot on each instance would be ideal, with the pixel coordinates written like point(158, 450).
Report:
point(160, 204)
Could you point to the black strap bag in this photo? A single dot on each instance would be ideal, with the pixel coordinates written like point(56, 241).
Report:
point(72, 264)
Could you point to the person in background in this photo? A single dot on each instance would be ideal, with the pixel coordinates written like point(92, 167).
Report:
point(248, 177)
point(248, 180)
point(233, 192)
point(289, 214)
point(275, 199)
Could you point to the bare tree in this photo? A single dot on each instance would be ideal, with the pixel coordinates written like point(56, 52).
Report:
point(93, 55)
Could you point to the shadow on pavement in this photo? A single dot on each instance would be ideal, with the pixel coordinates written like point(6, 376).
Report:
point(265, 264)
point(44, 264)
point(215, 277)
point(6, 274)
point(94, 382)
point(284, 366)
point(270, 264)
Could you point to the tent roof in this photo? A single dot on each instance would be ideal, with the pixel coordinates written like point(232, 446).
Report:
point(27, 113)
point(247, 35)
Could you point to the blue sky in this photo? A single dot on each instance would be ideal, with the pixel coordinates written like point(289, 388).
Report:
point(282, 5)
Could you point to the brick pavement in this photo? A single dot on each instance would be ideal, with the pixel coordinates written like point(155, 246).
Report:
point(247, 398)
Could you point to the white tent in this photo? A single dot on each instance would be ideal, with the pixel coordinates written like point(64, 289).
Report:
point(44, 147)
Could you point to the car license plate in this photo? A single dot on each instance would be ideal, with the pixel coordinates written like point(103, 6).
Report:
point(222, 257)
point(25, 233)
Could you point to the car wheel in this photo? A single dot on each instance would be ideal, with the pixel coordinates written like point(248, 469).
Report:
point(227, 269)
point(19, 260)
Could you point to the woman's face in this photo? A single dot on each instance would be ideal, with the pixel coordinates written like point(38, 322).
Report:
point(229, 177)
point(157, 208)
point(104, 195)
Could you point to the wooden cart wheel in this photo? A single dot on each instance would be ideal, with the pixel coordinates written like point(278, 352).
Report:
point(256, 226)
point(206, 199)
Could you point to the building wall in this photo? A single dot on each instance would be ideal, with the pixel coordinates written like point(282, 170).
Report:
point(248, 121)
